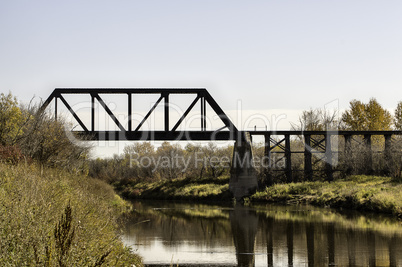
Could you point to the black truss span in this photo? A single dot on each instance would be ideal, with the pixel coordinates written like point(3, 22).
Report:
point(228, 132)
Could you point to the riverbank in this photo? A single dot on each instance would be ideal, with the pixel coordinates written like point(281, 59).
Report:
point(50, 217)
point(359, 192)
point(205, 189)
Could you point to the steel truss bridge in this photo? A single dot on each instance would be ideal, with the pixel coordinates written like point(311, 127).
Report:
point(276, 142)
point(134, 132)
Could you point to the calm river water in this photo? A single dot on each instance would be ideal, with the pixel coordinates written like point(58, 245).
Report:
point(166, 233)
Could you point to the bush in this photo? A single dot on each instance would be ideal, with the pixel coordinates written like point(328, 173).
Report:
point(10, 154)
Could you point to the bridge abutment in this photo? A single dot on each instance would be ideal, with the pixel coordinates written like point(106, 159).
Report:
point(243, 177)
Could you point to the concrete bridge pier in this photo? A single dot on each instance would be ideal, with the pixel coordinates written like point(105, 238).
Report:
point(243, 177)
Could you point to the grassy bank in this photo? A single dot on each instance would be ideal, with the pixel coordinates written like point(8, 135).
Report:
point(360, 192)
point(52, 218)
point(178, 189)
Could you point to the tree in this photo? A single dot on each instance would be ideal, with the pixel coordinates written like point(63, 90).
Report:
point(35, 134)
point(370, 117)
point(141, 148)
point(216, 160)
point(317, 120)
point(140, 157)
point(45, 140)
point(169, 161)
point(398, 117)
point(10, 119)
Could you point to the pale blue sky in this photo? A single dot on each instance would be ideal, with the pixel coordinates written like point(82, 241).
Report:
point(274, 54)
point(271, 55)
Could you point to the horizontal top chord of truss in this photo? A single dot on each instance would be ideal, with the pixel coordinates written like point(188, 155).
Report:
point(227, 132)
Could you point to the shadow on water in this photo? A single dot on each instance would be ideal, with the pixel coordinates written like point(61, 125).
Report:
point(179, 234)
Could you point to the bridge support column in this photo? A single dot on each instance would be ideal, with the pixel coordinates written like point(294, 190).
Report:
point(308, 167)
point(347, 158)
point(267, 160)
point(243, 177)
point(368, 154)
point(388, 154)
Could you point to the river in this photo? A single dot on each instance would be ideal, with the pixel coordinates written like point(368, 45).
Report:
point(166, 233)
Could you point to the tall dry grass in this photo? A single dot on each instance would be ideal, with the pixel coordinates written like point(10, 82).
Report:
point(52, 218)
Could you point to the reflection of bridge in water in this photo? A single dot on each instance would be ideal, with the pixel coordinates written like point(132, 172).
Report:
point(321, 145)
point(263, 236)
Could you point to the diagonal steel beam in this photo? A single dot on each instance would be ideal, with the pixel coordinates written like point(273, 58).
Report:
point(220, 129)
point(149, 113)
point(73, 113)
point(278, 144)
point(218, 110)
point(186, 113)
point(107, 109)
point(52, 96)
point(318, 144)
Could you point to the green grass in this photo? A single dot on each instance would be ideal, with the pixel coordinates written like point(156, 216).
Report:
point(178, 189)
point(360, 192)
point(53, 218)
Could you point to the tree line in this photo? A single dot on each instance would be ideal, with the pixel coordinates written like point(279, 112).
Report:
point(31, 134)
point(142, 161)
point(359, 116)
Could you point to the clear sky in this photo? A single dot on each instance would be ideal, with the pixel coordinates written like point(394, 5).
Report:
point(271, 55)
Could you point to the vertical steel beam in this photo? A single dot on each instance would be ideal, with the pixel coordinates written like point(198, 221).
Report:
point(130, 112)
point(55, 108)
point(328, 158)
point(92, 112)
point(288, 157)
point(202, 113)
point(166, 96)
point(308, 167)
point(204, 116)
